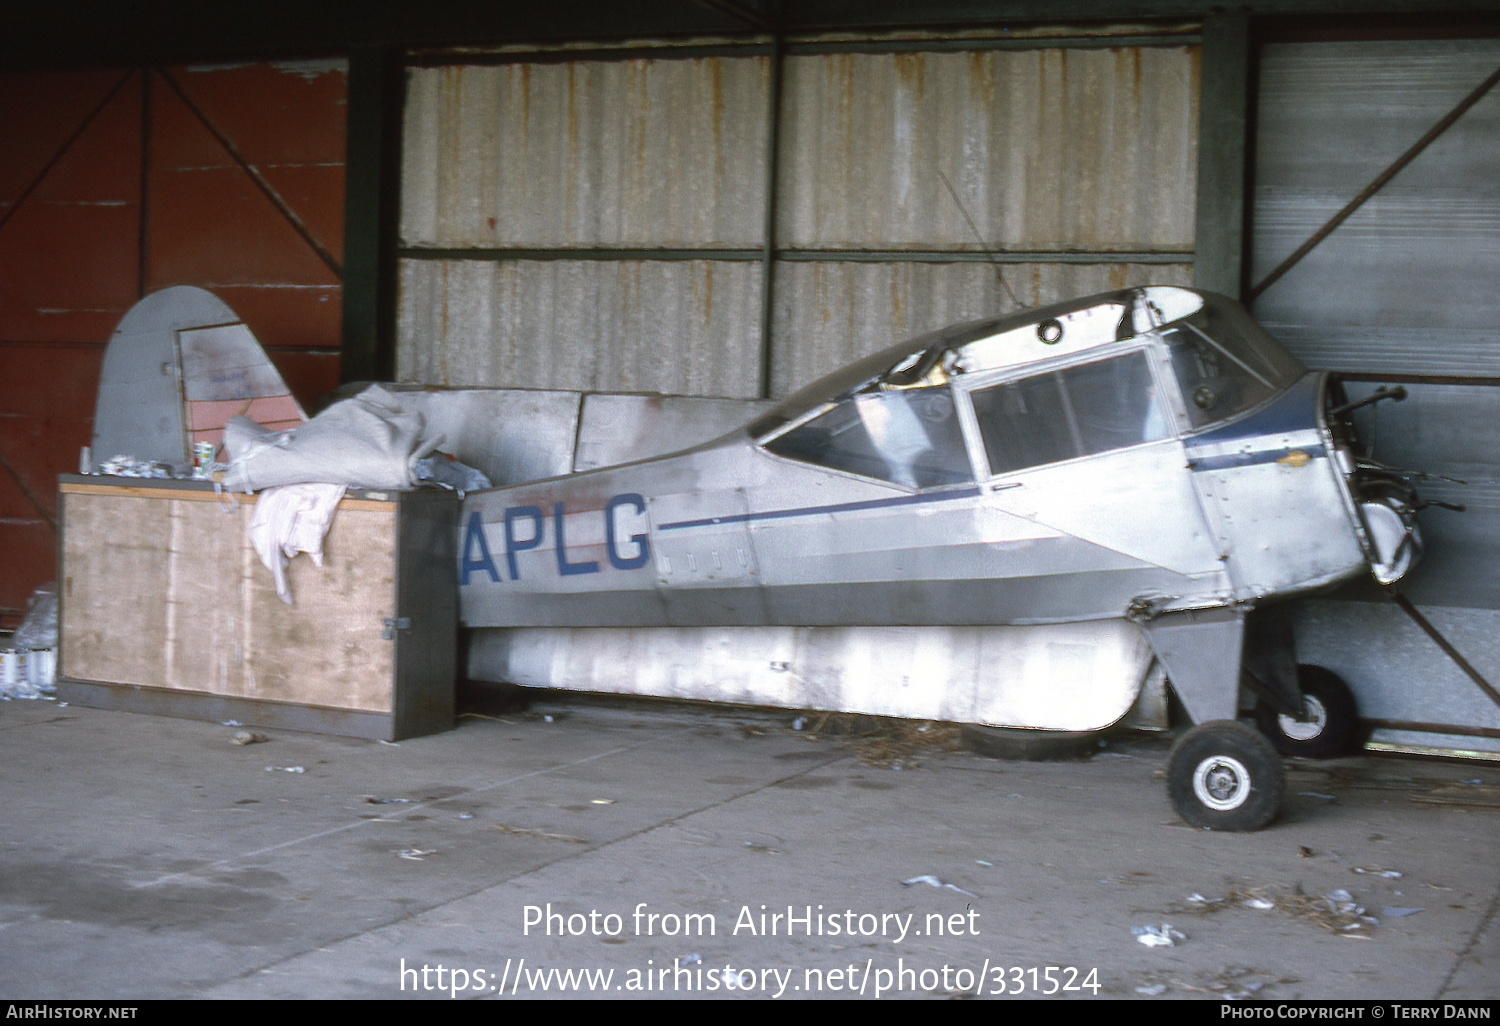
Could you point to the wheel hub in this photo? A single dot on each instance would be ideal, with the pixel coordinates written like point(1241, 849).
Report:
point(1221, 782)
point(1310, 728)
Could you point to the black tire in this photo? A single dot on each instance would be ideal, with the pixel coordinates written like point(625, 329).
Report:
point(1224, 775)
point(1029, 745)
point(1333, 729)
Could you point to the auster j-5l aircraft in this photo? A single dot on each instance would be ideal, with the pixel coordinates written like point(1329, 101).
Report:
point(1008, 522)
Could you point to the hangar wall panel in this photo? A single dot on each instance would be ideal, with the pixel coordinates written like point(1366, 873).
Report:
point(1403, 289)
point(1048, 148)
point(1407, 283)
point(1073, 151)
point(117, 182)
point(643, 152)
point(678, 327)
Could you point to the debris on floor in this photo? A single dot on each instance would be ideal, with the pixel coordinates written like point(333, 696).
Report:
point(1228, 982)
point(1337, 911)
point(882, 741)
point(933, 881)
point(1162, 936)
point(764, 849)
point(533, 832)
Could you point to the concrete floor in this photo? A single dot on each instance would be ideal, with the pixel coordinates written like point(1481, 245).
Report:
point(147, 857)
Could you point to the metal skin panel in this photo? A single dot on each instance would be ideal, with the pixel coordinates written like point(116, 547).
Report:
point(947, 484)
point(1276, 498)
point(180, 364)
point(615, 428)
point(140, 411)
point(1201, 650)
point(224, 362)
point(510, 434)
point(1073, 677)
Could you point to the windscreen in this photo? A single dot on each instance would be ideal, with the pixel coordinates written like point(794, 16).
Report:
point(1225, 363)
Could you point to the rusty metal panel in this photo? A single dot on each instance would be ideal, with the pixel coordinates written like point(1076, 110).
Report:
point(680, 327)
point(69, 247)
point(828, 314)
point(647, 152)
point(1048, 149)
point(46, 406)
point(1078, 149)
point(286, 122)
point(73, 242)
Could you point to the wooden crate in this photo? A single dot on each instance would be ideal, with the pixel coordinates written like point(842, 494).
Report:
point(164, 607)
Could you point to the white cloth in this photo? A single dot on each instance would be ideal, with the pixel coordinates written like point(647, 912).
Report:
point(289, 519)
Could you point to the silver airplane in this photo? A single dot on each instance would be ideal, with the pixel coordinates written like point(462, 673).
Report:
point(1013, 523)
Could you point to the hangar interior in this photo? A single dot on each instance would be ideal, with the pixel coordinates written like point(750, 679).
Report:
point(728, 198)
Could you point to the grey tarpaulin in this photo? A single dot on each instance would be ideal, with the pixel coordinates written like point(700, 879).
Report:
point(370, 441)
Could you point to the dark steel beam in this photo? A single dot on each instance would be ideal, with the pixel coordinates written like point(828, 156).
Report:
point(1223, 156)
point(1488, 381)
point(830, 255)
point(93, 33)
point(372, 187)
point(768, 247)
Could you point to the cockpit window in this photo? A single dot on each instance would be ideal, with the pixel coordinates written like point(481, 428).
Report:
point(1225, 363)
point(1067, 413)
point(908, 436)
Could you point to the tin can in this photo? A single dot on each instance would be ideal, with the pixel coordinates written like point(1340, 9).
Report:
point(41, 668)
point(12, 667)
point(203, 460)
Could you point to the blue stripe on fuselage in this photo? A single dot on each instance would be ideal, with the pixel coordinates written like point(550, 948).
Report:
point(1292, 412)
point(1296, 409)
point(807, 511)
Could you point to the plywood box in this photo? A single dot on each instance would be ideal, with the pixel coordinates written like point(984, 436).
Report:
point(166, 608)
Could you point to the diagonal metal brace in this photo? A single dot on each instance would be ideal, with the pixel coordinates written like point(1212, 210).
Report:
point(1375, 186)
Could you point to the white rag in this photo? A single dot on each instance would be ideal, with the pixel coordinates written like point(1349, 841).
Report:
point(289, 519)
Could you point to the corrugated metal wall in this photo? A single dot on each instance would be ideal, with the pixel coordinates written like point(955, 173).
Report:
point(602, 224)
point(1408, 283)
point(671, 326)
point(1088, 149)
point(1403, 290)
point(639, 152)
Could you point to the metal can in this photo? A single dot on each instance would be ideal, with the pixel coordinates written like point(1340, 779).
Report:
point(203, 460)
point(12, 667)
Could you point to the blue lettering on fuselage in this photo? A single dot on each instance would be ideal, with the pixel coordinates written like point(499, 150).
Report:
point(525, 528)
point(642, 542)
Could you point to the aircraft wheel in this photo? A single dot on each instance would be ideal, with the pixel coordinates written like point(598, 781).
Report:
point(1333, 729)
point(1028, 745)
point(1224, 775)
